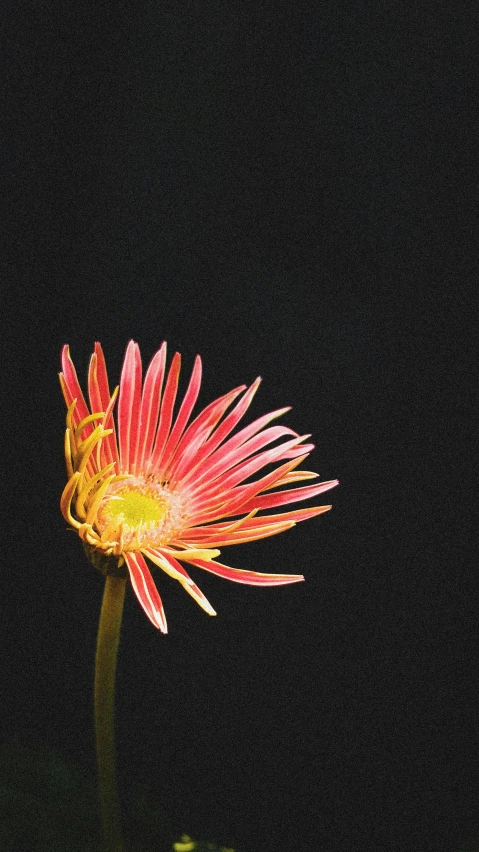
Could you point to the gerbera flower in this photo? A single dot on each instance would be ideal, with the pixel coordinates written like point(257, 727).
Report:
point(174, 491)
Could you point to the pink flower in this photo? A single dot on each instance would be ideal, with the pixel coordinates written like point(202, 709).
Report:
point(172, 489)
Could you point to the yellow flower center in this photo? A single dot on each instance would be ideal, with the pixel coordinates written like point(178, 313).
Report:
point(135, 508)
point(140, 513)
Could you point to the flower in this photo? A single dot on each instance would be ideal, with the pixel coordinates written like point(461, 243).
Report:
point(174, 491)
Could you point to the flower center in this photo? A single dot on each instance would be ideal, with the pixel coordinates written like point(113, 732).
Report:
point(137, 508)
point(140, 513)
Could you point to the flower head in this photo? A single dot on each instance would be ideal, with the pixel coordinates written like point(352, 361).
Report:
point(172, 489)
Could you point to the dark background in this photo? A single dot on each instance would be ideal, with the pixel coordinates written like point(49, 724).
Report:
point(291, 193)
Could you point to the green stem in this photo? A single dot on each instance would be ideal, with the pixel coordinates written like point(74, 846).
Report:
point(105, 670)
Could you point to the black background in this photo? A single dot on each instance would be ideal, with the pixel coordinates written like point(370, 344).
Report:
point(290, 193)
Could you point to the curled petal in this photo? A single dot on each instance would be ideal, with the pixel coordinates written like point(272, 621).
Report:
point(90, 419)
point(84, 494)
point(68, 453)
point(108, 447)
point(102, 400)
point(192, 553)
point(66, 500)
point(98, 496)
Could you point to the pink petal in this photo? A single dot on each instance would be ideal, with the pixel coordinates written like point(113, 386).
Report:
point(293, 454)
point(99, 395)
point(228, 424)
point(296, 475)
point(74, 397)
point(171, 566)
point(72, 390)
point(106, 396)
point(226, 457)
point(94, 394)
point(145, 590)
point(234, 416)
point(184, 414)
point(150, 406)
point(207, 457)
point(166, 412)
point(102, 377)
point(237, 536)
point(209, 535)
point(289, 449)
point(198, 431)
point(250, 578)
point(279, 498)
point(109, 423)
point(129, 405)
point(229, 506)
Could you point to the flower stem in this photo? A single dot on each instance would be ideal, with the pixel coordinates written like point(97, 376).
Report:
point(105, 670)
